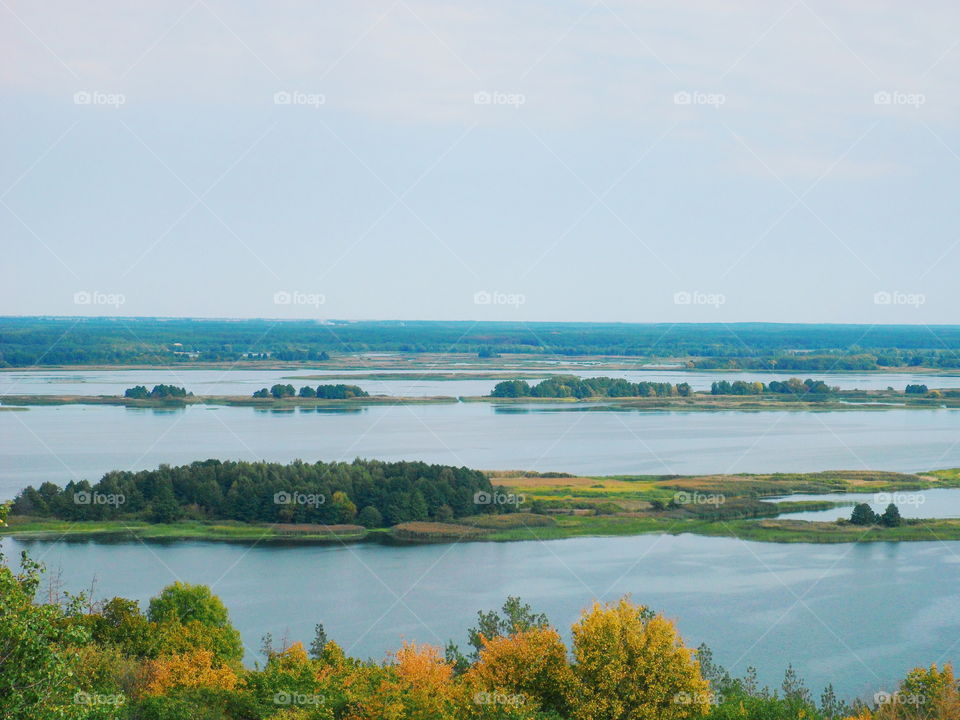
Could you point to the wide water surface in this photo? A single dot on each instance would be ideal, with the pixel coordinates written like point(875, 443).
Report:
point(59, 443)
point(856, 615)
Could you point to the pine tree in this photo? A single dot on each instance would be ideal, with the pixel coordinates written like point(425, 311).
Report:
point(891, 516)
point(863, 515)
point(319, 642)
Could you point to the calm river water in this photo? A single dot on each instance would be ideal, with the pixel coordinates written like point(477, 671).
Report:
point(75, 441)
point(856, 615)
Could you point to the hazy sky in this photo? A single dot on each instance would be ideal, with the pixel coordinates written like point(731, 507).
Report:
point(654, 161)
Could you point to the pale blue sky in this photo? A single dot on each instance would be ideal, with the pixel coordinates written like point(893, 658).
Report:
point(542, 152)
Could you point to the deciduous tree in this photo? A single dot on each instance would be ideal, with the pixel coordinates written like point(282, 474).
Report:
point(633, 666)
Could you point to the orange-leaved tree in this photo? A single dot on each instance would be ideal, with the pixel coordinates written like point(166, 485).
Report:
point(528, 667)
point(925, 693)
point(417, 685)
point(195, 669)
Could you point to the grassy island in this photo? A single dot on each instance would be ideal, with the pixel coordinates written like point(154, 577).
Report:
point(739, 395)
point(268, 402)
point(599, 393)
point(415, 502)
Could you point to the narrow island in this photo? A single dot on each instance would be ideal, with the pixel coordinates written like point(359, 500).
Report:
point(278, 397)
point(604, 392)
point(791, 394)
point(417, 502)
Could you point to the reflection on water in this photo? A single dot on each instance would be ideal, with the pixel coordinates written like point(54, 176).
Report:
point(513, 409)
point(169, 410)
point(334, 410)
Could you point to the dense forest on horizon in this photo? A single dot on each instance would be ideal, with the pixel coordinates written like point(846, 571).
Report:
point(44, 341)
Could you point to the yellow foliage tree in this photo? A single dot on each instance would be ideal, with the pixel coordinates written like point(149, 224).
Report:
point(294, 656)
point(528, 667)
point(417, 685)
point(193, 669)
point(293, 714)
point(633, 666)
point(924, 693)
point(423, 667)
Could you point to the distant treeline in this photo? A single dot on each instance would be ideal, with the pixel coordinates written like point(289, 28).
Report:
point(811, 363)
point(793, 386)
point(324, 392)
point(369, 492)
point(561, 386)
point(140, 392)
point(748, 346)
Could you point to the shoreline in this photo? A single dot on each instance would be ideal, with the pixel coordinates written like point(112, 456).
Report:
point(771, 530)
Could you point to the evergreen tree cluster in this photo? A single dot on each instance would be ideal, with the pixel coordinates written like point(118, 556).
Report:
point(863, 514)
point(793, 386)
point(159, 392)
point(571, 386)
point(371, 492)
point(324, 392)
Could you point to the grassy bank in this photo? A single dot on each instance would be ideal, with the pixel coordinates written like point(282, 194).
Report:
point(781, 530)
point(190, 530)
